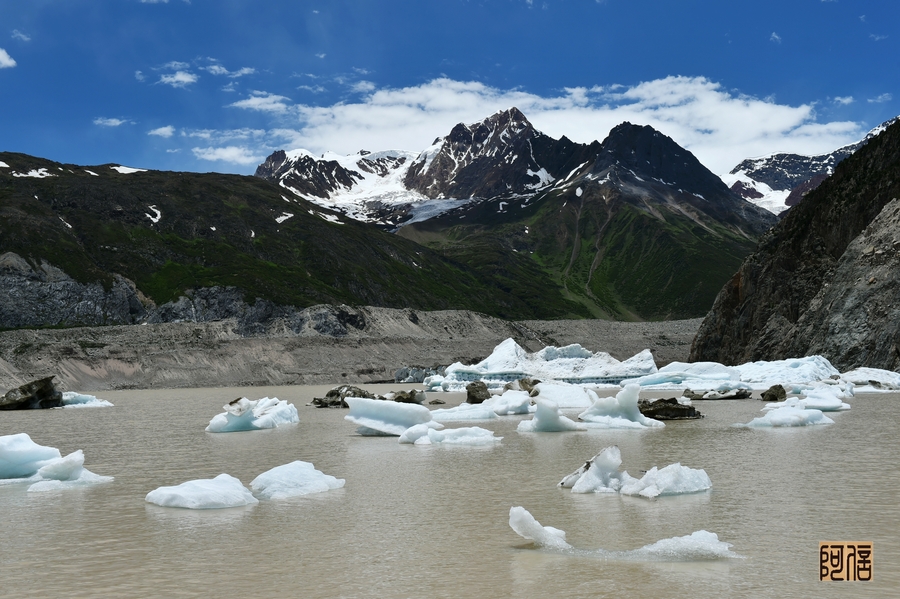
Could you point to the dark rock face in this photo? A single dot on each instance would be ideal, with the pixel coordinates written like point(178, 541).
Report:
point(667, 409)
point(477, 392)
point(39, 394)
point(774, 393)
point(825, 279)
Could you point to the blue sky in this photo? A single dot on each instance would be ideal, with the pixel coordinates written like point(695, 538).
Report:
point(216, 85)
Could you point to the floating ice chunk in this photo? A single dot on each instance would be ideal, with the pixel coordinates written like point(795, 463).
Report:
point(65, 468)
point(566, 396)
point(464, 411)
point(674, 479)
point(869, 380)
point(572, 364)
point(600, 474)
point(509, 403)
point(292, 480)
point(21, 457)
point(525, 525)
point(203, 494)
point(793, 371)
point(79, 400)
point(548, 419)
point(379, 417)
point(620, 411)
point(682, 373)
point(816, 399)
point(249, 415)
point(697, 546)
point(85, 478)
point(788, 416)
point(422, 434)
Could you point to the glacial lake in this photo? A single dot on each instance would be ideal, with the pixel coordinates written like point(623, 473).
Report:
point(432, 521)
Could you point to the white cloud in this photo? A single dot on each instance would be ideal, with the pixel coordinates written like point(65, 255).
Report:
point(775, 38)
point(217, 69)
point(234, 154)
point(107, 122)
point(843, 100)
point(6, 61)
point(154, 1)
point(363, 87)
point(881, 99)
point(720, 127)
point(264, 102)
point(320, 55)
point(178, 79)
point(176, 65)
point(167, 131)
point(877, 37)
point(139, 76)
point(18, 35)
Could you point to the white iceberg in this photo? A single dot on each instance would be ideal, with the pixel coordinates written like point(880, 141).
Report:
point(509, 403)
point(566, 396)
point(380, 417)
point(871, 380)
point(697, 546)
point(247, 415)
point(422, 434)
point(572, 364)
point(816, 399)
point(292, 480)
point(79, 400)
point(548, 419)
point(788, 416)
point(464, 411)
point(24, 461)
point(222, 491)
point(620, 411)
point(601, 474)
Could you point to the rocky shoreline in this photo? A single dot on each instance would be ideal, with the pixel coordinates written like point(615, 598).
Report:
point(332, 344)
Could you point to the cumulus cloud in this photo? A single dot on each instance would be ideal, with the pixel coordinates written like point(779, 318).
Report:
point(881, 99)
point(178, 79)
point(6, 61)
point(22, 37)
point(720, 127)
point(363, 87)
point(111, 122)
point(233, 154)
point(167, 131)
point(843, 100)
point(264, 102)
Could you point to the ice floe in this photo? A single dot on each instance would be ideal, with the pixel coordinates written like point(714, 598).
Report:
point(601, 474)
point(548, 419)
point(869, 380)
point(79, 400)
point(292, 480)
point(24, 461)
point(509, 403)
point(203, 494)
point(788, 416)
point(249, 415)
point(816, 399)
point(465, 411)
point(697, 546)
point(572, 364)
point(620, 411)
point(423, 434)
point(380, 417)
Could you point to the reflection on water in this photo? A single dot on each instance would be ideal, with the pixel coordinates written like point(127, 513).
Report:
point(432, 521)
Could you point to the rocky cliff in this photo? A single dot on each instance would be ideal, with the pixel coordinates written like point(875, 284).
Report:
point(825, 279)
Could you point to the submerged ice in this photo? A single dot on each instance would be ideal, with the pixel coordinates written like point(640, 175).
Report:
point(697, 546)
point(243, 414)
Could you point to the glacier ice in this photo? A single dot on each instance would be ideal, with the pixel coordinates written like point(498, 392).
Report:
point(248, 415)
point(465, 411)
point(548, 419)
point(821, 399)
point(24, 461)
point(422, 434)
point(869, 380)
point(380, 417)
point(571, 364)
point(566, 396)
point(788, 416)
point(79, 400)
point(601, 474)
point(697, 546)
point(509, 403)
point(222, 491)
point(620, 411)
point(292, 480)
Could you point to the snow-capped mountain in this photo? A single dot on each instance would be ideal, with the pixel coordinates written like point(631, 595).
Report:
point(779, 181)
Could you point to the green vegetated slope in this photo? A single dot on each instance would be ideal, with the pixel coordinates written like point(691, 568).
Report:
point(608, 257)
point(214, 229)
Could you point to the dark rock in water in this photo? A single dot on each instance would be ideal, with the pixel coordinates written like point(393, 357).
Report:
point(774, 393)
point(411, 396)
point(692, 395)
point(335, 397)
point(477, 392)
point(667, 409)
point(436, 402)
point(39, 394)
point(526, 384)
